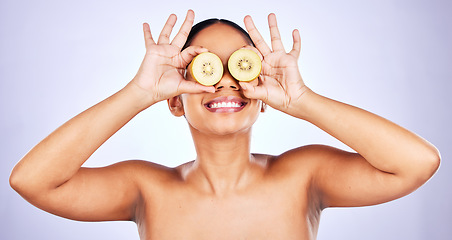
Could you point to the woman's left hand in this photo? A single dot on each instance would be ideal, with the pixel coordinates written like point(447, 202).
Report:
point(280, 83)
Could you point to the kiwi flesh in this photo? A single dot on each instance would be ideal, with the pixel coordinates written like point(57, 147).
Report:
point(206, 68)
point(244, 65)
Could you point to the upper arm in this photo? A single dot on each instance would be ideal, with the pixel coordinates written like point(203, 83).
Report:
point(95, 194)
point(346, 179)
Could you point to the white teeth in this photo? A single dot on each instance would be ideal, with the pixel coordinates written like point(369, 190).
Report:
point(225, 105)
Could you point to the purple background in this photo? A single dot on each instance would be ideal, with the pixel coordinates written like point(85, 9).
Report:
point(391, 57)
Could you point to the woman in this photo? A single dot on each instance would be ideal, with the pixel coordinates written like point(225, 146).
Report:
point(226, 192)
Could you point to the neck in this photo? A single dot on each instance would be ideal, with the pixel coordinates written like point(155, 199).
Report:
point(224, 163)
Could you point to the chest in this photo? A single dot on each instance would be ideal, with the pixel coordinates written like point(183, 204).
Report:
point(257, 214)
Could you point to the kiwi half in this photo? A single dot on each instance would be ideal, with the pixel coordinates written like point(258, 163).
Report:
point(244, 65)
point(206, 68)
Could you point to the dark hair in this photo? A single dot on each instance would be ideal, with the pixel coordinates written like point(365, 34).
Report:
point(206, 23)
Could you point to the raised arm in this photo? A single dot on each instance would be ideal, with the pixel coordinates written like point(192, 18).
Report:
point(390, 161)
point(50, 175)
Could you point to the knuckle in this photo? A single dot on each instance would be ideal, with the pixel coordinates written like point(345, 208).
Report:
point(184, 34)
point(259, 41)
point(189, 21)
point(252, 29)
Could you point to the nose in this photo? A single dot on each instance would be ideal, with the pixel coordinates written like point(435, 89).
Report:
point(227, 82)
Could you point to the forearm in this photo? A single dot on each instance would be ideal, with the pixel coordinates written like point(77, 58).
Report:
point(59, 156)
point(385, 145)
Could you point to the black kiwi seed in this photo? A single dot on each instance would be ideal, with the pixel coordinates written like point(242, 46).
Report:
point(242, 67)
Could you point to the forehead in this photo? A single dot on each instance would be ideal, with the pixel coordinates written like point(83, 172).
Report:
point(220, 39)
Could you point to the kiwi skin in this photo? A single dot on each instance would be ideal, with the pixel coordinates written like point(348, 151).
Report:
point(244, 65)
point(206, 68)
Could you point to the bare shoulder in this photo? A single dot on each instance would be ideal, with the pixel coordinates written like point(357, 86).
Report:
point(304, 159)
point(144, 165)
point(146, 172)
point(312, 151)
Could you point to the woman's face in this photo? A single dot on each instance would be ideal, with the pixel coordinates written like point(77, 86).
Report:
point(203, 111)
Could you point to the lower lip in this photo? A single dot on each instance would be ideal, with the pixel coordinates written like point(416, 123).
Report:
point(225, 109)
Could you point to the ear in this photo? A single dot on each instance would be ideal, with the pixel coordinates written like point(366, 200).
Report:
point(263, 107)
point(175, 106)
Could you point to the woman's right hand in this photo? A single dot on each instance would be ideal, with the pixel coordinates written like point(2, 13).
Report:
point(161, 74)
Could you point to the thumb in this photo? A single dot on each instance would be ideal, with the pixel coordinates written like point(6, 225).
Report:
point(186, 86)
point(254, 92)
point(189, 53)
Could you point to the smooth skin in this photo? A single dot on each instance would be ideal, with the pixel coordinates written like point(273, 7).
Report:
point(226, 192)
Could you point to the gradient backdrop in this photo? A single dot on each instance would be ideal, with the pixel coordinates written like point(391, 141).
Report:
point(391, 57)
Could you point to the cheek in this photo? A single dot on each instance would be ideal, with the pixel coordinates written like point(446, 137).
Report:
point(256, 110)
point(189, 101)
point(192, 107)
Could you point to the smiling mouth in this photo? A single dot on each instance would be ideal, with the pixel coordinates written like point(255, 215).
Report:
point(225, 104)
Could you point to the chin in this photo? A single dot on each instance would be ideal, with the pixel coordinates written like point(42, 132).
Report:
point(232, 131)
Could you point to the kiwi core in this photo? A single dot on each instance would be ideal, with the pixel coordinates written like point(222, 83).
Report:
point(207, 69)
point(244, 65)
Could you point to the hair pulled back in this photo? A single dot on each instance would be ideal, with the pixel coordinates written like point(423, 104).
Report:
point(206, 23)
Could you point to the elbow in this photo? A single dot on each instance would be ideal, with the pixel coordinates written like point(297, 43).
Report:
point(21, 184)
point(24, 187)
point(421, 169)
point(15, 181)
point(431, 162)
point(435, 161)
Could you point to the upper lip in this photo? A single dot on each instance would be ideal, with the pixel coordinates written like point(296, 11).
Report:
point(233, 99)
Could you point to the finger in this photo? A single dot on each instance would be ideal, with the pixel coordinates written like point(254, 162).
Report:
point(181, 37)
point(255, 50)
point(277, 45)
point(166, 31)
point(254, 92)
point(188, 54)
point(193, 87)
point(148, 41)
point(296, 48)
point(256, 36)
